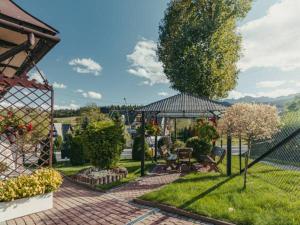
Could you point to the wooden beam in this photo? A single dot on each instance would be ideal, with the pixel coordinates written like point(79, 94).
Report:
point(7, 44)
point(14, 51)
point(9, 66)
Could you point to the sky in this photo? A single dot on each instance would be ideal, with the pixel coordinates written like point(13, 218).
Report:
point(107, 50)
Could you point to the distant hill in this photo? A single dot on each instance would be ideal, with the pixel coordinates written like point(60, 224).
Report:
point(279, 102)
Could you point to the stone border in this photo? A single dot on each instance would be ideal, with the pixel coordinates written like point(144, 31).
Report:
point(93, 188)
point(181, 212)
point(118, 174)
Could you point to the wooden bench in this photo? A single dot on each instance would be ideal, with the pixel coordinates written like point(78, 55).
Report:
point(168, 157)
point(212, 160)
point(184, 156)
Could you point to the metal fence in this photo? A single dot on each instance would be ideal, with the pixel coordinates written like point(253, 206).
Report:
point(277, 160)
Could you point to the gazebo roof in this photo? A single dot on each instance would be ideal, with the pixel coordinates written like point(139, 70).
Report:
point(24, 39)
point(181, 104)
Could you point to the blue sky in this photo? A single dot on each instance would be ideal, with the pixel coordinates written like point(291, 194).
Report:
point(107, 50)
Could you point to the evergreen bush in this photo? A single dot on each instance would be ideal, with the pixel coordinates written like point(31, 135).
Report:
point(104, 142)
point(137, 148)
point(77, 151)
point(200, 147)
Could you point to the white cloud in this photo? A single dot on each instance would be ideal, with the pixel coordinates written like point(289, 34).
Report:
point(163, 93)
point(145, 64)
point(92, 95)
point(79, 91)
point(273, 40)
point(59, 85)
point(278, 92)
point(86, 65)
point(271, 94)
point(35, 75)
point(237, 94)
point(70, 106)
point(271, 84)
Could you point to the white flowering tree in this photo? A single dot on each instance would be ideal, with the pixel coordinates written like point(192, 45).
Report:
point(252, 122)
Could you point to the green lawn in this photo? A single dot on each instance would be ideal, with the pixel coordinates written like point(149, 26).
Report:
point(217, 196)
point(67, 120)
point(67, 169)
point(133, 167)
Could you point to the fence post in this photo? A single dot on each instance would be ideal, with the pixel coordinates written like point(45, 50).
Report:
point(240, 152)
point(229, 154)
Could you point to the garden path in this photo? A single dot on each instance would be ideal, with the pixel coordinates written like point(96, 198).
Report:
point(74, 204)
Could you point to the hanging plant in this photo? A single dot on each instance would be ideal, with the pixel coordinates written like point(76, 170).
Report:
point(152, 128)
point(13, 126)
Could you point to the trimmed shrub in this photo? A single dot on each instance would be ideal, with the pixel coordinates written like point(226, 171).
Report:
point(178, 144)
point(104, 142)
point(66, 146)
point(77, 151)
point(206, 131)
point(137, 148)
point(186, 133)
point(200, 147)
point(57, 143)
point(39, 182)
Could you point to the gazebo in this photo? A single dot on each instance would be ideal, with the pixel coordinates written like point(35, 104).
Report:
point(182, 106)
point(26, 104)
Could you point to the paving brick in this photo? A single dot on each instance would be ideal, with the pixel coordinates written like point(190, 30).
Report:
point(76, 205)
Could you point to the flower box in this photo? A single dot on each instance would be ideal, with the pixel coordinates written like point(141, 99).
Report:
point(25, 206)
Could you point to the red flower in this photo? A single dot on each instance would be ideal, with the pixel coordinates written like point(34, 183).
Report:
point(10, 114)
point(29, 127)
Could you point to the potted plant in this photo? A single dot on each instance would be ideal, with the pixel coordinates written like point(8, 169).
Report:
point(28, 194)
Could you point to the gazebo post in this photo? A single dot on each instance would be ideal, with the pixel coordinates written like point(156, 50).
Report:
point(229, 153)
point(155, 142)
point(175, 128)
point(143, 146)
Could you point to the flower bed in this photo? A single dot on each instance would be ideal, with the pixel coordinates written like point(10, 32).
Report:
point(93, 176)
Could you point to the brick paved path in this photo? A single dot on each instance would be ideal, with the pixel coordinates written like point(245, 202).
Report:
point(74, 204)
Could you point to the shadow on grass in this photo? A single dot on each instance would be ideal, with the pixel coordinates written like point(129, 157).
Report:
point(209, 190)
point(196, 179)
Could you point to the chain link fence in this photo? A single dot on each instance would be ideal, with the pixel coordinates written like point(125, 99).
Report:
point(277, 160)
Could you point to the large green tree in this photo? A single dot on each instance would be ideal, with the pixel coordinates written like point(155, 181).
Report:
point(200, 46)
